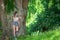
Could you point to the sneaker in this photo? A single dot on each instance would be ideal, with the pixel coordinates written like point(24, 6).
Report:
point(15, 38)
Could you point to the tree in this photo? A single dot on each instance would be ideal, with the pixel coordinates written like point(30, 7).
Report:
point(3, 17)
point(22, 9)
point(5, 32)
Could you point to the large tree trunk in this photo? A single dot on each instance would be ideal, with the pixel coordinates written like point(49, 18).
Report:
point(22, 9)
point(3, 18)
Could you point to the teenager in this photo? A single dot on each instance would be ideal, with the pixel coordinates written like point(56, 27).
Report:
point(15, 24)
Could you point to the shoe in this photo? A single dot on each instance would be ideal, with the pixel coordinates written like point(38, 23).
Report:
point(15, 38)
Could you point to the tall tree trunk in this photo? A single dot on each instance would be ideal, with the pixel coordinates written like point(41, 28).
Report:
point(22, 9)
point(2, 14)
point(3, 18)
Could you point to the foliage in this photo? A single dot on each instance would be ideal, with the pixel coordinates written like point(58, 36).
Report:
point(9, 5)
point(43, 15)
point(49, 35)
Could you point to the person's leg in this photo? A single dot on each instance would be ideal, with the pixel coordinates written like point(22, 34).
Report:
point(13, 30)
point(16, 31)
point(16, 28)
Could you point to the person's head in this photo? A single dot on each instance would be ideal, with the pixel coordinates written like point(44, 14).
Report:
point(16, 14)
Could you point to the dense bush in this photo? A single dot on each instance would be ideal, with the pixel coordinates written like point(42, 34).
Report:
point(43, 15)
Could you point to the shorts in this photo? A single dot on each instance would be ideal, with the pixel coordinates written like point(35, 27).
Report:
point(15, 23)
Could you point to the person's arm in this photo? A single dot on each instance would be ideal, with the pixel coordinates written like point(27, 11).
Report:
point(19, 18)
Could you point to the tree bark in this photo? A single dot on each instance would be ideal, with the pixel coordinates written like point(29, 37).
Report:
point(3, 18)
point(22, 9)
point(2, 15)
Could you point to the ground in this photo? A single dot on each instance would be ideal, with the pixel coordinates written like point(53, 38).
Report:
point(49, 35)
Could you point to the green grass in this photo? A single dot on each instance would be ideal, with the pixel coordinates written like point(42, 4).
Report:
point(50, 35)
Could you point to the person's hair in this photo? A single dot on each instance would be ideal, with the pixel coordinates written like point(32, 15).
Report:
point(15, 13)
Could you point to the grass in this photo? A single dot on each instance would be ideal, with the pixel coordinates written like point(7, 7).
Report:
point(50, 35)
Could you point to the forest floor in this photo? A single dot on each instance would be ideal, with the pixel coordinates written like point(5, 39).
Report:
point(49, 35)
